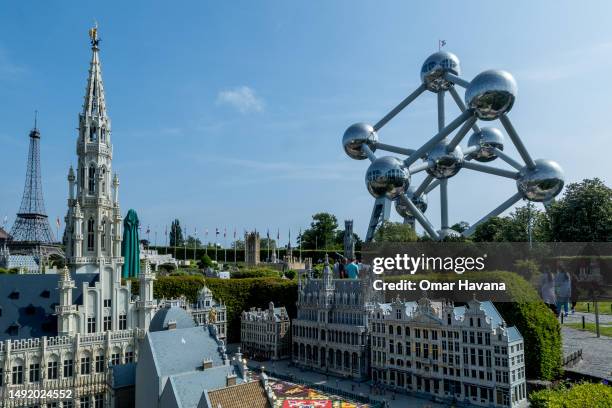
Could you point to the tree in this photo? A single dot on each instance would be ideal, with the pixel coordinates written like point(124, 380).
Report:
point(263, 244)
point(395, 232)
point(584, 214)
point(205, 262)
point(193, 240)
point(515, 227)
point(339, 240)
point(238, 244)
point(322, 232)
point(176, 233)
point(290, 274)
point(460, 226)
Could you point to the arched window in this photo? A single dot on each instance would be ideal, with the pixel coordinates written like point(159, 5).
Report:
point(91, 185)
point(103, 180)
point(103, 134)
point(90, 234)
point(93, 134)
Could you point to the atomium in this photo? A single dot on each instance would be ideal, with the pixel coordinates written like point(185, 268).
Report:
point(489, 96)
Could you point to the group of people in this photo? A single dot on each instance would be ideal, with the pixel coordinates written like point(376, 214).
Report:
point(556, 291)
point(346, 269)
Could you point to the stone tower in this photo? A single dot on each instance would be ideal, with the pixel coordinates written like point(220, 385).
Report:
point(66, 311)
point(93, 221)
point(251, 248)
point(349, 240)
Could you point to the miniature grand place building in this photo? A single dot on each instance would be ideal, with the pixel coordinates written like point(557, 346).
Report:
point(457, 353)
point(330, 333)
point(265, 333)
point(64, 331)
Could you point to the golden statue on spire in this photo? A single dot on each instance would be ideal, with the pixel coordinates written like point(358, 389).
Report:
point(93, 35)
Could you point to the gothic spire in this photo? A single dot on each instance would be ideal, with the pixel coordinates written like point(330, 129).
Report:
point(95, 104)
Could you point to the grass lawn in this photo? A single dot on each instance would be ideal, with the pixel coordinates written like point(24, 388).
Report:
point(604, 307)
point(604, 330)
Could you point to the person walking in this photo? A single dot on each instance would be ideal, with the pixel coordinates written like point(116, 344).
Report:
point(563, 289)
point(352, 270)
point(336, 269)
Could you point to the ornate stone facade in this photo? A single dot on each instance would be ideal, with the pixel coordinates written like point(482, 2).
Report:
point(99, 321)
point(456, 353)
point(331, 330)
point(265, 333)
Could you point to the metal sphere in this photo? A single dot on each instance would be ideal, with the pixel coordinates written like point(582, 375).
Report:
point(355, 137)
point(541, 183)
point(486, 141)
point(444, 164)
point(420, 202)
point(434, 68)
point(491, 93)
point(387, 177)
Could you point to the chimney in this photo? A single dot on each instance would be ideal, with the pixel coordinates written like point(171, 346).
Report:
point(230, 380)
point(207, 363)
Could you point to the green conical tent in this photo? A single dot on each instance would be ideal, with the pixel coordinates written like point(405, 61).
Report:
point(130, 247)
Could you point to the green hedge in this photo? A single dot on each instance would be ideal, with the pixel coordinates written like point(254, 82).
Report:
point(579, 396)
point(237, 294)
point(538, 325)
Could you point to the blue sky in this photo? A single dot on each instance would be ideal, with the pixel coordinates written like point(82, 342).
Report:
point(230, 114)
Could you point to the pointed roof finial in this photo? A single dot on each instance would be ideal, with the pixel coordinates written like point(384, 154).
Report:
point(93, 35)
point(36, 120)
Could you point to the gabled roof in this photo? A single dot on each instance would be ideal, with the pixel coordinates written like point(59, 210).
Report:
point(513, 334)
point(176, 314)
point(252, 395)
point(188, 388)
point(182, 350)
point(30, 300)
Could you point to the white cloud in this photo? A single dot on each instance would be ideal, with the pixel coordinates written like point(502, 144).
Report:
point(241, 98)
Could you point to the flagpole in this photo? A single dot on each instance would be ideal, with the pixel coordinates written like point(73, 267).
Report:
point(195, 240)
point(225, 245)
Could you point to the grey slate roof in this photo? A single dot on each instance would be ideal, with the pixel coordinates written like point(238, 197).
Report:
point(167, 314)
point(514, 334)
point(189, 387)
point(182, 350)
point(28, 303)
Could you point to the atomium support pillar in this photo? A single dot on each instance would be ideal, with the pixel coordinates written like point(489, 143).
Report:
point(380, 213)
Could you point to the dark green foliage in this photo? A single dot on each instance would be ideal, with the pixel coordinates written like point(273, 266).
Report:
point(538, 325)
point(11, 271)
point(322, 232)
point(515, 227)
point(395, 232)
point(242, 294)
point(176, 234)
point(205, 261)
point(578, 396)
point(290, 274)
point(584, 214)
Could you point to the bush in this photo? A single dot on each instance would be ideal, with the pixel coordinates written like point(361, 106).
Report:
point(206, 262)
point(578, 396)
point(255, 272)
point(539, 327)
point(290, 274)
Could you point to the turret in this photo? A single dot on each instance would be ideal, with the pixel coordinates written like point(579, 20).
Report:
point(146, 304)
point(65, 310)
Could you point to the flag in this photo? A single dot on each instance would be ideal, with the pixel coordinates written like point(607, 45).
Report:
point(166, 231)
point(206, 232)
point(58, 222)
point(148, 227)
point(217, 231)
point(195, 232)
point(267, 233)
point(224, 232)
point(234, 232)
point(278, 234)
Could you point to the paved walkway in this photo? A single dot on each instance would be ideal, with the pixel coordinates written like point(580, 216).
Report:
point(596, 352)
point(394, 400)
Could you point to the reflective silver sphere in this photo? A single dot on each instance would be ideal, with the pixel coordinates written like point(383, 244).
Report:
point(434, 68)
point(420, 202)
point(486, 140)
point(443, 164)
point(542, 183)
point(491, 93)
point(356, 136)
point(387, 177)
